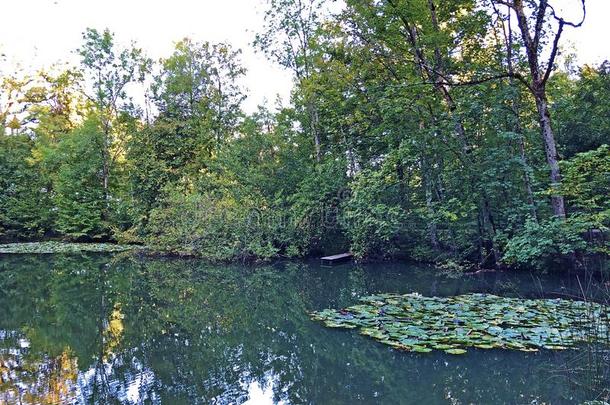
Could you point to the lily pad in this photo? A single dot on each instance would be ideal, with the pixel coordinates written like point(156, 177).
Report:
point(455, 351)
point(61, 247)
point(484, 346)
point(421, 349)
point(421, 324)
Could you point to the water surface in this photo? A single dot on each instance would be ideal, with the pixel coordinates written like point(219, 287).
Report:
point(95, 328)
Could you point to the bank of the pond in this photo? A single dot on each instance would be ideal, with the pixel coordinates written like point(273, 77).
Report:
point(450, 268)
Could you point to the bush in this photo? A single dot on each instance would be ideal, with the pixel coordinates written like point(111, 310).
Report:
point(541, 245)
point(219, 228)
point(24, 198)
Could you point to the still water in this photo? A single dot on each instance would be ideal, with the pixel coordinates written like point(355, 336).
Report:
point(116, 329)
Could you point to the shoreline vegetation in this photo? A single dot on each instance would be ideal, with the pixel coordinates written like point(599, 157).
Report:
point(66, 247)
point(434, 131)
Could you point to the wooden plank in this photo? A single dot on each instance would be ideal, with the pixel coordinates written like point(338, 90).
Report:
point(336, 259)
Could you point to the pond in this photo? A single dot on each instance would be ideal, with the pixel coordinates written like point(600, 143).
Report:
point(99, 328)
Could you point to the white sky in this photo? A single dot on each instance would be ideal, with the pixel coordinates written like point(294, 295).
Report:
point(36, 33)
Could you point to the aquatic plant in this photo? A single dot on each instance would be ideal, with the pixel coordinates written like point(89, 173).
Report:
point(416, 323)
point(61, 247)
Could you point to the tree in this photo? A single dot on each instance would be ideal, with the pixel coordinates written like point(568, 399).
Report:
point(412, 133)
point(79, 194)
point(290, 26)
point(199, 98)
point(53, 104)
point(533, 20)
point(199, 83)
point(110, 71)
point(11, 109)
point(25, 209)
point(581, 108)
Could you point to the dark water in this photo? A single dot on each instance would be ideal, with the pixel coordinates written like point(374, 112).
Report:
point(104, 329)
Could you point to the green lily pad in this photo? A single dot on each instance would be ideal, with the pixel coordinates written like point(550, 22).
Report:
point(62, 247)
point(442, 347)
point(416, 323)
point(455, 351)
point(421, 349)
point(484, 346)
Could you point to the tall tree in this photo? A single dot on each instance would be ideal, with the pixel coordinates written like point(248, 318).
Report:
point(534, 20)
point(109, 71)
point(290, 27)
point(199, 84)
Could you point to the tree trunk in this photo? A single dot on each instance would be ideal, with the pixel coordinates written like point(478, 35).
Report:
point(432, 228)
point(526, 177)
point(489, 226)
point(538, 90)
point(106, 161)
point(313, 127)
point(550, 150)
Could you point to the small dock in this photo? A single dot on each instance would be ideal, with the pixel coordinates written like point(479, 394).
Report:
point(336, 259)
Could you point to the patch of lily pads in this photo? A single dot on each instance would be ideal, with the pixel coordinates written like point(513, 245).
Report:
point(61, 247)
point(421, 324)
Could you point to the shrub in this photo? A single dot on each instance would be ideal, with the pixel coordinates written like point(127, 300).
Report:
point(219, 228)
point(541, 245)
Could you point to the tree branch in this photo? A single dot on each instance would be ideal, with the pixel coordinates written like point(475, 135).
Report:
point(562, 24)
point(569, 23)
point(542, 6)
point(549, 66)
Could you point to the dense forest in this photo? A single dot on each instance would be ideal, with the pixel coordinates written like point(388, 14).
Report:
point(458, 132)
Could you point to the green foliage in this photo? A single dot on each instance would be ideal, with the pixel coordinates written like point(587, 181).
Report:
point(582, 106)
point(192, 224)
point(585, 185)
point(150, 166)
point(316, 207)
point(544, 245)
point(373, 217)
point(379, 153)
point(24, 200)
point(289, 28)
point(199, 97)
point(110, 69)
point(586, 181)
point(218, 228)
point(79, 194)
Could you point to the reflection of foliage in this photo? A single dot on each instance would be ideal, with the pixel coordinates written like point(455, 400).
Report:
point(33, 379)
point(113, 331)
point(187, 332)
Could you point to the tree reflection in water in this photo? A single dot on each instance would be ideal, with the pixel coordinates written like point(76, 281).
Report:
point(117, 329)
point(33, 379)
